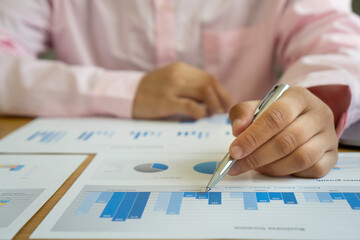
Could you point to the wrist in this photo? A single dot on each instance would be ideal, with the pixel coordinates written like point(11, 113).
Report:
point(337, 97)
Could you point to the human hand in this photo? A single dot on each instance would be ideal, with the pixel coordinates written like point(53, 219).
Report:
point(295, 135)
point(179, 89)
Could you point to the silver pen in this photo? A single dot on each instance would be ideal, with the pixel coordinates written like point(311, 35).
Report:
point(227, 162)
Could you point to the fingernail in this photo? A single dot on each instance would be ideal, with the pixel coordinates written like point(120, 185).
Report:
point(235, 170)
point(236, 152)
point(236, 125)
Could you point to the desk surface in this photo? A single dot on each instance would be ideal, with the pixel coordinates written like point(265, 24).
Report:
point(9, 124)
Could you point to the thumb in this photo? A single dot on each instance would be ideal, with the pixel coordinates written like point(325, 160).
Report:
point(241, 116)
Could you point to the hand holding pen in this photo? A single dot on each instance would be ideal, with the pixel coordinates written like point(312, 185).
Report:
point(292, 137)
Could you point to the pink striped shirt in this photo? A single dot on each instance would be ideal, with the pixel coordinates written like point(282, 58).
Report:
point(105, 47)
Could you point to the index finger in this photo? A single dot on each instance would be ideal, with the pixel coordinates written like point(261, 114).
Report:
point(279, 115)
point(220, 90)
point(222, 93)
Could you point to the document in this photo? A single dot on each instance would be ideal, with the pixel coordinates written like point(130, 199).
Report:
point(26, 183)
point(91, 135)
point(158, 195)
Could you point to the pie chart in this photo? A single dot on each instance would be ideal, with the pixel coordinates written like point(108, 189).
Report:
point(206, 167)
point(151, 167)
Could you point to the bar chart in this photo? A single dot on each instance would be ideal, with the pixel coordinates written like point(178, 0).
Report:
point(77, 135)
point(50, 136)
point(54, 136)
point(347, 164)
point(16, 170)
point(145, 134)
point(12, 167)
point(193, 134)
point(13, 202)
point(115, 210)
point(130, 205)
point(27, 181)
point(189, 134)
point(4, 202)
point(116, 201)
point(87, 135)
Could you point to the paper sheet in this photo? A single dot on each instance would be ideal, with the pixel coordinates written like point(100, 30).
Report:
point(26, 183)
point(156, 196)
point(91, 135)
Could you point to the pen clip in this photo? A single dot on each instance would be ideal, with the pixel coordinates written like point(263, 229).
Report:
point(265, 100)
point(278, 91)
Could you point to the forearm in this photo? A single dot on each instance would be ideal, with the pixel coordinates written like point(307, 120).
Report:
point(48, 88)
point(319, 49)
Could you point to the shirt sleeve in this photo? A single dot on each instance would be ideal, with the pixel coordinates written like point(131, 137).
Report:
point(319, 44)
point(32, 87)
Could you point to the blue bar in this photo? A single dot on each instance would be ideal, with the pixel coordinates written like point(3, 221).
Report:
point(82, 135)
point(137, 135)
point(358, 195)
point(112, 205)
point(193, 133)
point(125, 206)
point(33, 136)
point(262, 197)
point(275, 196)
point(88, 136)
point(104, 197)
point(250, 202)
point(42, 134)
point(175, 203)
point(311, 197)
point(214, 198)
point(179, 133)
point(227, 133)
point(228, 121)
point(207, 134)
point(17, 168)
point(139, 205)
point(46, 136)
point(186, 133)
point(52, 137)
point(337, 196)
point(87, 203)
point(324, 197)
point(145, 133)
point(202, 195)
point(289, 198)
point(200, 135)
point(236, 195)
point(353, 200)
point(189, 194)
point(162, 201)
point(60, 136)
